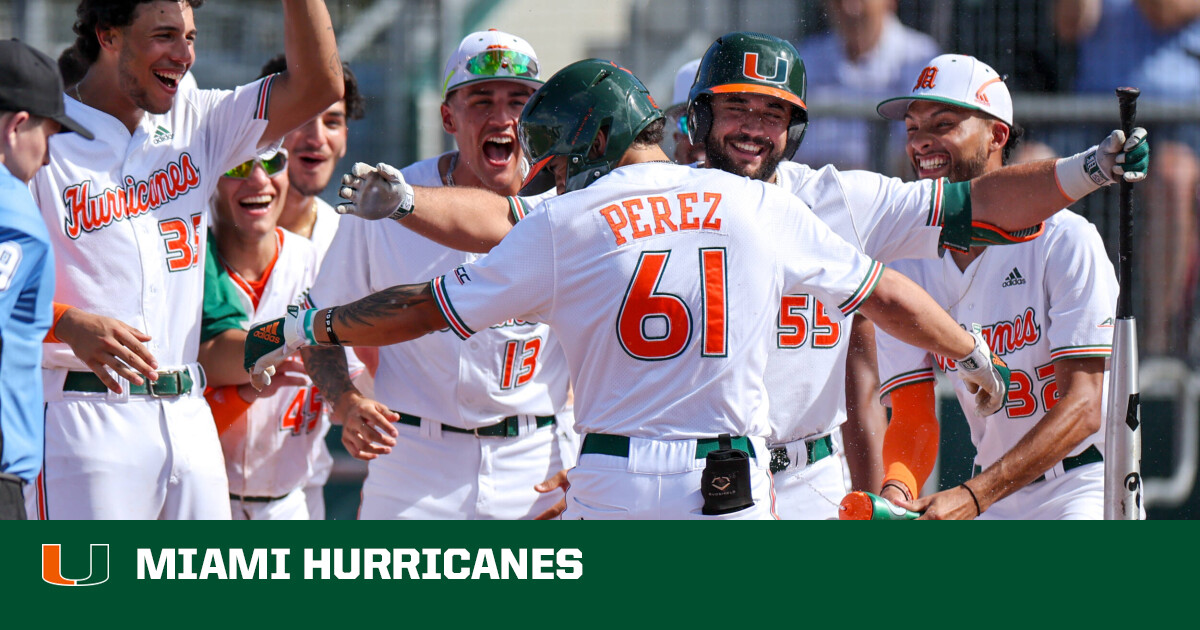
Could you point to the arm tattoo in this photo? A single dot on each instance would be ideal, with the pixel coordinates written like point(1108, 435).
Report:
point(328, 370)
point(379, 306)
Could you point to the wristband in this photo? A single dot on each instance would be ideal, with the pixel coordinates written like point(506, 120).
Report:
point(899, 486)
point(1080, 174)
point(59, 311)
point(333, 338)
point(973, 498)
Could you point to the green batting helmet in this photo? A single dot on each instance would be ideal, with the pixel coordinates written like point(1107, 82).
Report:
point(749, 62)
point(567, 113)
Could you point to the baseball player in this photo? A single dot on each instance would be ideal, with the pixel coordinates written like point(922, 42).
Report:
point(471, 431)
point(268, 437)
point(659, 279)
point(747, 107)
point(1046, 306)
point(128, 220)
point(315, 148)
point(31, 111)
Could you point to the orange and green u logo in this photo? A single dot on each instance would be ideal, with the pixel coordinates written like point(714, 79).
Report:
point(750, 69)
point(52, 567)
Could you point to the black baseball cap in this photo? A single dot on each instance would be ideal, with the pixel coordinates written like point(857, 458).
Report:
point(32, 84)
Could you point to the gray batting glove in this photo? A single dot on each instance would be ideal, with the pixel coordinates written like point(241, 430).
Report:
point(985, 375)
point(375, 192)
point(1115, 158)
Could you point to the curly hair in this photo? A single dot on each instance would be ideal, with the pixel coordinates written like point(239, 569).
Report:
point(353, 98)
point(100, 14)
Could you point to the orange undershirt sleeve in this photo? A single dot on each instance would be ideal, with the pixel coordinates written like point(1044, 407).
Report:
point(910, 445)
point(59, 309)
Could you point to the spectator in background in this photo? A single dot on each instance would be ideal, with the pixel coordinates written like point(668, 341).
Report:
point(682, 150)
point(1153, 45)
point(869, 56)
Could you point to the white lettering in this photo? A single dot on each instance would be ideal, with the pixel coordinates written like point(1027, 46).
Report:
point(187, 573)
point(485, 563)
point(540, 562)
point(405, 559)
point(311, 564)
point(339, 563)
point(449, 569)
point(510, 563)
point(431, 564)
point(376, 560)
point(237, 564)
point(570, 564)
point(146, 563)
point(213, 563)
point(281, 564)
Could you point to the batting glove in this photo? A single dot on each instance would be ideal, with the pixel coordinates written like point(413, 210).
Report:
point(269, 343)
point(986, 375)
point(1115, 158)
point(375, 192)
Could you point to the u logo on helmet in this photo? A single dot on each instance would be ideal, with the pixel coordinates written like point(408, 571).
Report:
point(750, 69)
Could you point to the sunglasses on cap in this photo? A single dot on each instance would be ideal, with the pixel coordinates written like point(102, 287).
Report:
point(683, 126)
point(501, 62)
point(272, 166)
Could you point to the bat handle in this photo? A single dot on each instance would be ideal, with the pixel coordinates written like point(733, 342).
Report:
point(1127, 98)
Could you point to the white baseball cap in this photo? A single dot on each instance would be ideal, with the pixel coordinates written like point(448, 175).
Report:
point(684, 79)
point(490, 55)
point(959, 80)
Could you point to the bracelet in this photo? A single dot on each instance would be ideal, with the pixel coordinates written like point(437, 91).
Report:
point(973, 498)
point(899, 486)
point(333, 338)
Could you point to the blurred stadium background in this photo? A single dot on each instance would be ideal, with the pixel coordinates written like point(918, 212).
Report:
point(398, 48)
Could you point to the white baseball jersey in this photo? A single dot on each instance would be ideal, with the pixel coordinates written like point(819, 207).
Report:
point(663, 282)
point(128, 216)
point(324, 228)
point(267, 450)
point(1049, 299)
point(517, 368)
point(883, 217)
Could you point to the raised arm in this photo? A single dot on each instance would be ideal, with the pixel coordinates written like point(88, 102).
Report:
point(462, 218)
point(1020, 196)
point(313, 80)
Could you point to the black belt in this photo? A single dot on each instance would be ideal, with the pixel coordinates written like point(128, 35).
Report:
point(237, 497)
point(1090, 455)
point(816, 449)
point(508, 427)
point(169, 384)
point(618, 445)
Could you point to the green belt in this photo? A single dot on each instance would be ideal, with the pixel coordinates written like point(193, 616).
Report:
point(238, 497)
point(1090, 455)
point(816, 450)
point(508, 427)
point(618, 445)
point(169, 384)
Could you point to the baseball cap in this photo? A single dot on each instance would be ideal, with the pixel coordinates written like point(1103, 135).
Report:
point(32, 84)
point(959, 80)
point(684, 79)
point(490, 55)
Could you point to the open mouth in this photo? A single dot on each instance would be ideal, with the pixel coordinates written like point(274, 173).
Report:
point(747, 149)
point(498, 150)
point(932, 163)
point(311, 160)
point(169, 79)
point(256, 205)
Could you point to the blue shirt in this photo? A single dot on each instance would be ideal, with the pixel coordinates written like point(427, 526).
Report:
point(1125, 50)
point(26, 312)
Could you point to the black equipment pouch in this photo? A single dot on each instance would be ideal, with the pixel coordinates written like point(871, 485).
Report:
point(725, 483)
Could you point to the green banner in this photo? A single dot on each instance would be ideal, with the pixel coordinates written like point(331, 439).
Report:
point(608, 574)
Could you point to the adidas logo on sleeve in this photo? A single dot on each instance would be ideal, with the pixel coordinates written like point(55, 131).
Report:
point(1014, 278)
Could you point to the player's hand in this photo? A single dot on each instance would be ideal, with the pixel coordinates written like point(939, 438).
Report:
point(1124, 158)
point(954, 504)
point(289, 373)
point(893, 494)
point(985, 375)
point(375, 192)
point(103, 342)
point(367, 429)
point(559, 480)
point(268, 343)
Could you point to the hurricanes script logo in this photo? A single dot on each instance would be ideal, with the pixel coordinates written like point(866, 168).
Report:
point(1006, 337)
point(88, 213)
point(52, 567)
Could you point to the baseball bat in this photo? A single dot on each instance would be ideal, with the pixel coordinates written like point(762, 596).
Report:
point(1123, 430)
point(864, 506)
